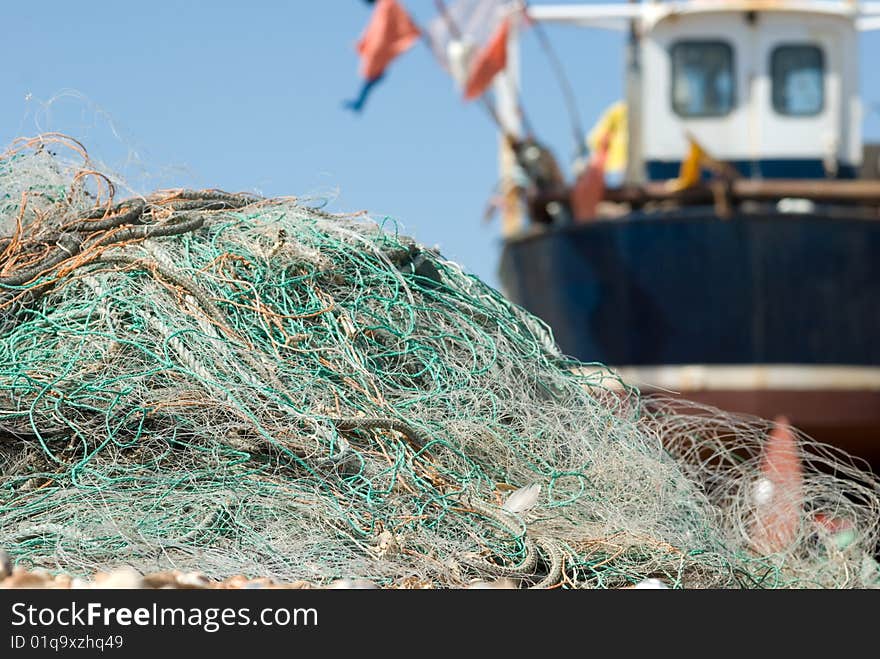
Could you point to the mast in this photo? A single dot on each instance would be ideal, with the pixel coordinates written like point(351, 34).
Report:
point(635, 173)
point(507, 94)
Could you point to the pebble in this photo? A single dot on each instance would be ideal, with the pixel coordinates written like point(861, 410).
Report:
point(165, 579)
point(20, 578)
point(353, 584)
point(62, 582)
point(5, 565)
point(651, 584)
point(129, 578)
point(195, 580)
point(498, 584)
point(123, 578)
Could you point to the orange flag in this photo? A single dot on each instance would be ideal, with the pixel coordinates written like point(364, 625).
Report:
point(779, 494)
point(489, 63)
point(390, 33)
point(589, 188)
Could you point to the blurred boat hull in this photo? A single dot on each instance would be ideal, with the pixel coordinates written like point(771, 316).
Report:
point(762, 313)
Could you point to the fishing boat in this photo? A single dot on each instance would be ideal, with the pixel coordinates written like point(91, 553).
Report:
point(737, 261)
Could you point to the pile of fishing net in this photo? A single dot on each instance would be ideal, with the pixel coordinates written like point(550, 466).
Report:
point(200, 380)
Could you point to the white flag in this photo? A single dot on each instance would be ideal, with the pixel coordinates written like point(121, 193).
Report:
point(462, 30)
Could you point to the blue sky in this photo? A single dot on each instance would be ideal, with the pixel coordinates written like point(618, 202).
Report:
point(247, 96)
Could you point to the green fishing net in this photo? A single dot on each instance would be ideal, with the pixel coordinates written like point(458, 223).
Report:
point(211, 381)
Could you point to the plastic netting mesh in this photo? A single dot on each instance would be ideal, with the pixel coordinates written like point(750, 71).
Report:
point(213, 381)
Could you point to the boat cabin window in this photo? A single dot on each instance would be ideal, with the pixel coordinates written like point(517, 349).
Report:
point(798, 73)
point(702, 78)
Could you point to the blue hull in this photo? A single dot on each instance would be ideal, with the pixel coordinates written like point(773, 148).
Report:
point(693, 289)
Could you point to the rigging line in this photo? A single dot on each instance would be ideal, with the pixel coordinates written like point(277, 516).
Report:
point(561, 78)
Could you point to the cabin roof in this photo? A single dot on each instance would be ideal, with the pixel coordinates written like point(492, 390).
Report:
point(616, 16)
point(657, 12)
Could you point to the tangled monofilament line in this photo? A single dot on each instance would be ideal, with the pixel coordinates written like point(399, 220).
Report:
point(216, 381)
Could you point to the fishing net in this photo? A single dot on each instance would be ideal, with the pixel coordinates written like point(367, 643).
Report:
point(201, 380)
